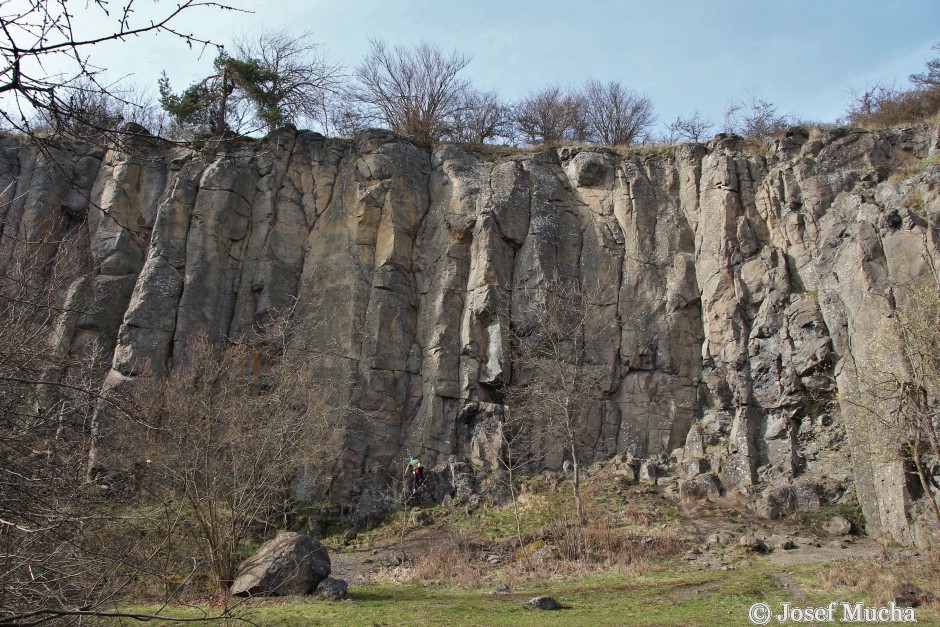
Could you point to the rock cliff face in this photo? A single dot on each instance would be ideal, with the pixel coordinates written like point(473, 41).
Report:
point(746, 286)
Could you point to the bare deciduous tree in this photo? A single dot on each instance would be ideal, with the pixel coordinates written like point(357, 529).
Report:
point(556, 378)
point(753, 117)
point(287, 78)
point(98, 114)
point(37, 35)
point(906, 401)
point(931, 76)
point(616, 115)
point(414, 91)
point(551, 115)
point(691, 128)
point(67, 550)
point(481, 118)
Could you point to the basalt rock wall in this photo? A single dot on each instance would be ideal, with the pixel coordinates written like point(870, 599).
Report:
point(746, 286)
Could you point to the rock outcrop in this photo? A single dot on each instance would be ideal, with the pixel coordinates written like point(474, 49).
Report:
point(747, 287)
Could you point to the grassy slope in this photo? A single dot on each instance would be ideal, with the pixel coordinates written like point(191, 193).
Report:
point(446, 583)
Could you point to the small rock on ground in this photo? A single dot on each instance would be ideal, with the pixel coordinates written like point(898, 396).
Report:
point(543, 603)
point(909, 595)
point(839, 526)
point(333, 589)
point(752, 544)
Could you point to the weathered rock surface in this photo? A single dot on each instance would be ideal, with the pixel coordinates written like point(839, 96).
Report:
point(291, 563)
point(744, 289)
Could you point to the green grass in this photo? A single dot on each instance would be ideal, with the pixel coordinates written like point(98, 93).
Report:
point(682, 595)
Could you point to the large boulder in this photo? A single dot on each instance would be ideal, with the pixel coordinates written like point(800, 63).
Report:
point(291, 563)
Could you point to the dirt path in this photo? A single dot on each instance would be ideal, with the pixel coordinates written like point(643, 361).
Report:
point(359, 565)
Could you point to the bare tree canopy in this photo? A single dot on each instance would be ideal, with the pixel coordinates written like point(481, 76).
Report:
point(691, 128)
point(287, 78)
point(43, 34)
point(616, 115)
point(482, 117)
point(930, 77)
point(414, 91)
point(755, 118)
point(551, 115)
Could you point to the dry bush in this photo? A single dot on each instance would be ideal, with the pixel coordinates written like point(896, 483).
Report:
point(458, 559)
point(879, 578)
point(599, 543)
point(883, 105)
point(694, 127)
point(754, 118)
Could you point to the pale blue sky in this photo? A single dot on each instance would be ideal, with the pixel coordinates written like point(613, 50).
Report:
point(804, 56)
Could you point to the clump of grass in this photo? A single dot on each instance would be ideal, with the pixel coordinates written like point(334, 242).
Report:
point(458, 559)
point(495, 152)
point(646, 150)
point(877, 579)
point(913, 168)
point(915, 202)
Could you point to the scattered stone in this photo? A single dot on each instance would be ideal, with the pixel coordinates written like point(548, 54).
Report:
point(349, 537)
point(699, 488)
point(807, 497)
point(500, 589)
point(420, 517)
point(719, 539)
point(839, 526)
point(649, 472)
point(787, 544)
point(543, 603)
point(291, 563)
point(752, 544)
point(909, 595)
point(777, 501)
point(836, 544)
point(333, 589)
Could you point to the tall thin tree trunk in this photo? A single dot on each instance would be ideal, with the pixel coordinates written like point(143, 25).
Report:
point(924, 481)
point(223, 104)
point(576, 482)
